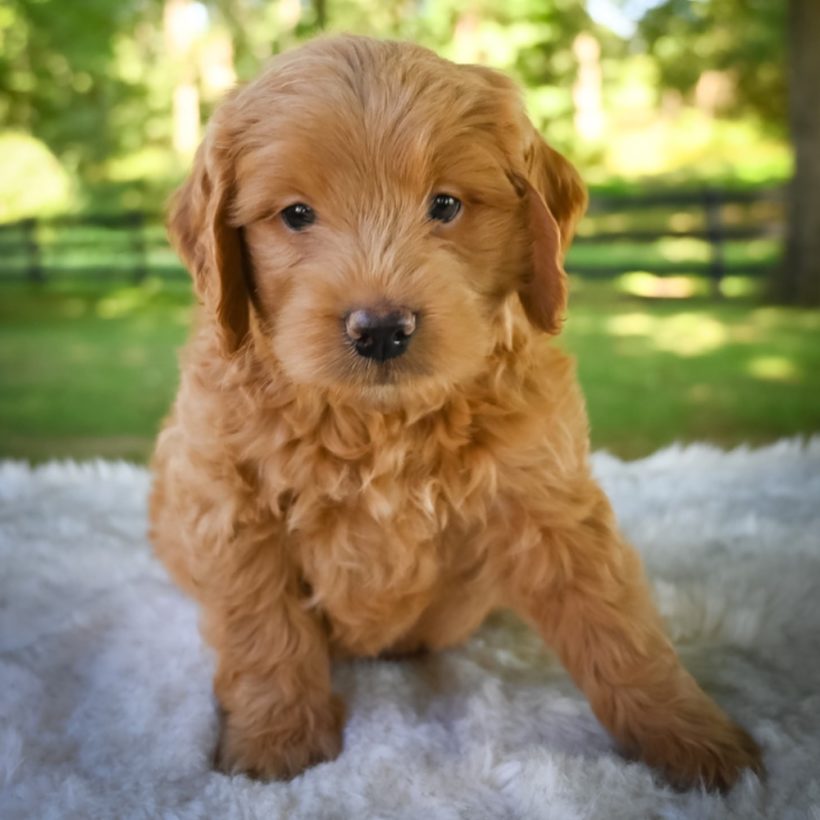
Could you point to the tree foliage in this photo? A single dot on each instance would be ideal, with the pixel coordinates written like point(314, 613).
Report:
point(95, 80)
point(746, 39)
point(58, 77)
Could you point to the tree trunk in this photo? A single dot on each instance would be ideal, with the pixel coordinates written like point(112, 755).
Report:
point(321, 14)
point(799, 279)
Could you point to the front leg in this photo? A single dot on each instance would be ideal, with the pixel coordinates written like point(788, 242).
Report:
point(584, 588)
point(273, 668)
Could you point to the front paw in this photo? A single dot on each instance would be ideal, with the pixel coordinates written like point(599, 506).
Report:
point(710, 755)
point(283, 748)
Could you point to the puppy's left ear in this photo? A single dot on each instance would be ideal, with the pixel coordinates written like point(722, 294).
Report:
point(555, 199)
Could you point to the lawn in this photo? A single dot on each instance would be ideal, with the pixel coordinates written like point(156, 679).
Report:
point(90, 371)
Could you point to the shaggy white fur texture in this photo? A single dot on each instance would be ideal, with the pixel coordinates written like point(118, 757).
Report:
point(105, 695)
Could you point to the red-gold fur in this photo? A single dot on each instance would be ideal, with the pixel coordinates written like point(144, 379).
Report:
point(317, 504)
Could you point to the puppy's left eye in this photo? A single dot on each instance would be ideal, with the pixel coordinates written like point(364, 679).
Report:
point(444, 208)
point(297, 217)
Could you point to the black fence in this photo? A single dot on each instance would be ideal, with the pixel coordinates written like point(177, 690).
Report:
point(111, 247)
point(710, 232)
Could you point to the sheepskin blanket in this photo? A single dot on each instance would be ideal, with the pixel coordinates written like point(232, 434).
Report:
point(105, 696)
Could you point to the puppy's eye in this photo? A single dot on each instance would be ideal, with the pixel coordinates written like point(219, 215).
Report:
point(444, 208)
point(297, 217)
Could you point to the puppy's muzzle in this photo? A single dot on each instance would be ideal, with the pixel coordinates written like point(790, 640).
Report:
point(380, 334)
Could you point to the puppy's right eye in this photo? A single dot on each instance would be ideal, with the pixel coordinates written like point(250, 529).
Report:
point(297, 217)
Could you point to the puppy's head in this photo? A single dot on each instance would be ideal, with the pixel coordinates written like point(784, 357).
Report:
point(372, 207)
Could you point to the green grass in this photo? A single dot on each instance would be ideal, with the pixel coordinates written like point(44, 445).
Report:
point(86, 372)
point(90, 372)
point(659, 371)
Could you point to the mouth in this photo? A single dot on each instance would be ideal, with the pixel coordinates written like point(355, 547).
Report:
point(390, 372)
point(393, 374)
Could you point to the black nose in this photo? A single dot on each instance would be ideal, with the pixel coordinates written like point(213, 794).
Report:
point(380, 335)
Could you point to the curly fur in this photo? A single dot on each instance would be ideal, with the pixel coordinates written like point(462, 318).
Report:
point(316, 504)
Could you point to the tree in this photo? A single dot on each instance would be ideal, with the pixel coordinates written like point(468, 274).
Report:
point(743, 39)
point(765, 47)
point(56, 77)
point(799, 279)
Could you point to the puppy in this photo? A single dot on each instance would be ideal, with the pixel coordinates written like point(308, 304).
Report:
point(374, 442)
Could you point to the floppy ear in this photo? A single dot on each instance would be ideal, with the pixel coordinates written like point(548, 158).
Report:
point(555, 199)
point(209, 246)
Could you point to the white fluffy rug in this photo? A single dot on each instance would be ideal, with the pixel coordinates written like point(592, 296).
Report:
point(105, 700)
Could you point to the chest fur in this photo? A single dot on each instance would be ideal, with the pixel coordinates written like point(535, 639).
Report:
point(378, 511)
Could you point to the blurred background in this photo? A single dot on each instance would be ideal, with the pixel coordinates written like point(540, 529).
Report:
point(695, 276)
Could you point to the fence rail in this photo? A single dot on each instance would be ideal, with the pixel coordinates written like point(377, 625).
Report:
point(720, 227)
point(726, 231)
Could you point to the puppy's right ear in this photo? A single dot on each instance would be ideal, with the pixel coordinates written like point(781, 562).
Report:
point(209, 245)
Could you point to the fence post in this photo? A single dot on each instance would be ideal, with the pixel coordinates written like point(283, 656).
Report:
point(136, 221)
point(714, 229)
point(34, 267)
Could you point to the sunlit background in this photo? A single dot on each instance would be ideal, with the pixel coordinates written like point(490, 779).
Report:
point(676, 113)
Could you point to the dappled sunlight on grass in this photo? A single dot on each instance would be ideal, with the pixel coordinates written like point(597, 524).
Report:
point(684, 221)
point(650, 286)
point(689, 334)
point(685, 334)
point(773, 369)
point(697, 333)
point(631, 324)
point(684, 249)
point(661, 370)
point(736, 287)
point(774, 316)
point(125, 301)
point(751, 251)
point(140, 301)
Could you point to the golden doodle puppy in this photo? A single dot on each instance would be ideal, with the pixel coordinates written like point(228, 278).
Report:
point(374, 442)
